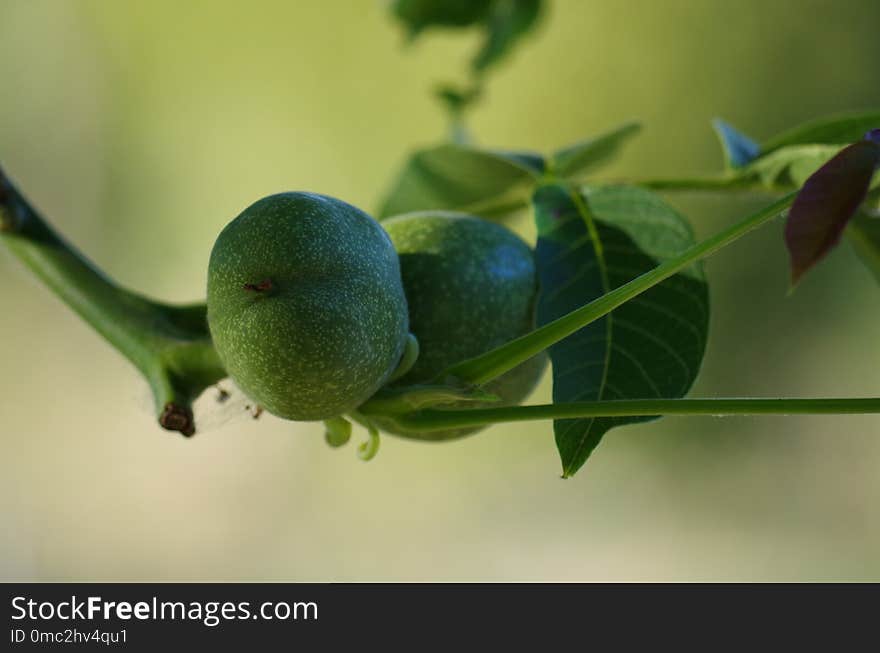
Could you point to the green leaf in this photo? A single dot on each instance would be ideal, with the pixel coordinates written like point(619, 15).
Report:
point(787, 160)
point(789, 166)
point(574, 159)
point(503, 22)
point(839, 129)
point(864, 234)
point(739, 149)
point(651, 346)
point(506, 24)
point(463, 178)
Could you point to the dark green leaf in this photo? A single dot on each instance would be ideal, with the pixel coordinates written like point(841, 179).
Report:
point(462, 178)
point(574, 159)
point(864, 234)
point(508, 21)
point(832, 130)
point(651, 346)
point(826, 203)
point(738, 148)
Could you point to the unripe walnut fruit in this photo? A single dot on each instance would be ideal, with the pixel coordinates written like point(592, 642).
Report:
point(305, 305)
point(471, 286)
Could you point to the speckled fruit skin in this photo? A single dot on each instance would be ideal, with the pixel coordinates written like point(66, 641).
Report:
point(329, 327)
point(471, 286)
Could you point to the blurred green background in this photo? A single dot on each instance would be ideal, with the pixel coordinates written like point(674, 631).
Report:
point(142, 128)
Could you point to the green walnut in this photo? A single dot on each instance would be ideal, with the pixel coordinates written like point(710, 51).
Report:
point(305, 305)
point(471, 286)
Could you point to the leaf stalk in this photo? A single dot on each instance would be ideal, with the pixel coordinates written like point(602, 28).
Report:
point(441, 419)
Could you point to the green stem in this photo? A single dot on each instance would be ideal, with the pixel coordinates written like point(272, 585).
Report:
point(697, 184)
point(440, 420)
point(170, 345)
point(721, 183)
point(496, 362)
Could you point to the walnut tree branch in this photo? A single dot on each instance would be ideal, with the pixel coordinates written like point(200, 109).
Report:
point(170, 345)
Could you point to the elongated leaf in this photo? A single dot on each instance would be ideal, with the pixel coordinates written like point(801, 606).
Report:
point(864, 234)
point(827, 202)
point(832, 130)
point(458, 177)
point(651, 346)
point(574, 159)
point(739, 149)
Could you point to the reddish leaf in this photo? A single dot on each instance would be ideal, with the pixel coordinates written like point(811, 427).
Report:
point(827, 201)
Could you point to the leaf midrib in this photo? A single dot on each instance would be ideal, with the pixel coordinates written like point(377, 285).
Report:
point(585, 213)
